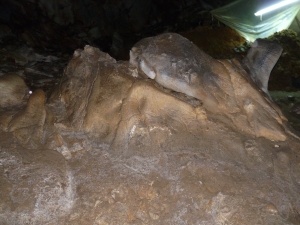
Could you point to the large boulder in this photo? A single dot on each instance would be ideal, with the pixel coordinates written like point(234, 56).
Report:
point(94, 82)
point(200, 142)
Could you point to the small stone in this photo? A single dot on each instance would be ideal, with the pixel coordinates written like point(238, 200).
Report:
point(118, 194)
point(130, 216)
point(147, 192)
point(270, 208)
point(77, 53)
point(100, 220)
point(153, 216)
point(74, 216)
point(276, 146)
point(109, 200)
point(142, 215)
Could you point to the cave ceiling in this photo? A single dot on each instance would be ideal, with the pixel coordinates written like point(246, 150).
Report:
point(70, 24)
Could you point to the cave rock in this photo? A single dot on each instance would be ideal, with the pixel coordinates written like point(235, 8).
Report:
point(198, 143)
point(116, 103)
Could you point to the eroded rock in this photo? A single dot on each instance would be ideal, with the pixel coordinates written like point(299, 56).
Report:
point(135, 150)
point(224, 87)
point(260, 61)
point(13, 90)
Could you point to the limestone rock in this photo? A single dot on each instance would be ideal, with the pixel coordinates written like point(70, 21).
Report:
point(224, 87)
point(36, 186)
point(130, 150)
point(29, 122)
point(92, 92)
point(260, 61)
point(177, 64)
point(13, 90)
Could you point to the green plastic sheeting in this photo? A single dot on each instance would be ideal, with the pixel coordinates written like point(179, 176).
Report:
point(239, 15)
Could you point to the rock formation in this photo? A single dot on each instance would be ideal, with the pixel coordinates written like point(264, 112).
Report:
point(198, 143)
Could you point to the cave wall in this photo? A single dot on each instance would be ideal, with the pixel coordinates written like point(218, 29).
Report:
point(107, 24)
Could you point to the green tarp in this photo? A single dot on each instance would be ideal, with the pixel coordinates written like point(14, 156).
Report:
point(239, 15)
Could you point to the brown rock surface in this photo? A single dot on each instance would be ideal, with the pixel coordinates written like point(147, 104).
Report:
point(13, 90)
point(113, 147)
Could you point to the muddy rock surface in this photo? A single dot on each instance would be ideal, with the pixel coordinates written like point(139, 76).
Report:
point(110, 146)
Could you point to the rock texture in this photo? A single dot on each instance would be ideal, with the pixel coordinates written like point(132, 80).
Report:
point(260, 61)
point(222, 86)
point(13, 90)
point(110, 146)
